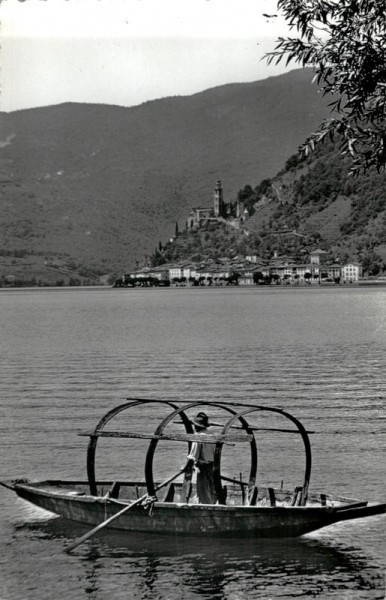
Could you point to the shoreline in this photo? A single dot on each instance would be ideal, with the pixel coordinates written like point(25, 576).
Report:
point(356, 284)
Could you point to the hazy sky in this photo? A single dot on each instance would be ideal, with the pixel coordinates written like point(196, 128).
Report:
point(128, 51)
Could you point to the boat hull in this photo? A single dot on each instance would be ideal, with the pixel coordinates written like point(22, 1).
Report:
point(189, 519)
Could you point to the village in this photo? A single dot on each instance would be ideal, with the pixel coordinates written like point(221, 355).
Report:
point(245, 271)
point(240, 270)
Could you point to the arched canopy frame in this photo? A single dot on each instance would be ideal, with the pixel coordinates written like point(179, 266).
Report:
point(306, 441)
point(91, 450)
point(238, 412)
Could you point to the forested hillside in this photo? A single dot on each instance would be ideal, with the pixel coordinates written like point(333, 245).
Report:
point(312, 202)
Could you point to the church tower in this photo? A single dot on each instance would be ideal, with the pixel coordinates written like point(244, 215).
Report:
point(219, 208)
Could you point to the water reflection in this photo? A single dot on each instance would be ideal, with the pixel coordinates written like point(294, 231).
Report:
point(170, 567)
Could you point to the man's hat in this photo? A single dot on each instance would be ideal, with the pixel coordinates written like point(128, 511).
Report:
point(201, 419)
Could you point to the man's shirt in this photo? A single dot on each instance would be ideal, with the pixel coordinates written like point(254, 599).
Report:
point(203, 452)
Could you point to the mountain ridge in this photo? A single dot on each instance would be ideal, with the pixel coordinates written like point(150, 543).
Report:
point(95, 187)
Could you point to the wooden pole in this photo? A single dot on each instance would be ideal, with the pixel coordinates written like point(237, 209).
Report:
point(91, 533)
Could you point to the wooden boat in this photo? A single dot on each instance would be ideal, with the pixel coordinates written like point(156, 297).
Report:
point(243, 508)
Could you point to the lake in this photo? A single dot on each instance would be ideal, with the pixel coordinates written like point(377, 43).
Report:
point(69, 355)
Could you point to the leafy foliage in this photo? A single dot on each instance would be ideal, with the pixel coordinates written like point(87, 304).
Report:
point(212, 241)
point(250, 196)
point(321, 183)
point(345, 42)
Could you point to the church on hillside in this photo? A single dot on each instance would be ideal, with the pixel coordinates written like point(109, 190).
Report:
point(220, 210)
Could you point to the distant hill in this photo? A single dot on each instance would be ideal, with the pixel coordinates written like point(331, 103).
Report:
point(89, 189)
point(311, 203)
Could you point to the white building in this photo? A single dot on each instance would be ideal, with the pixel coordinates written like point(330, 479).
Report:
point(182, 270)
point(351, 272)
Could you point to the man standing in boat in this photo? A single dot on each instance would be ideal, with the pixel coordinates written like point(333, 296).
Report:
point(203, 455)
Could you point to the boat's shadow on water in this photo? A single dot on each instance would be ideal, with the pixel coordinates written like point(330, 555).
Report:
point(212, 566)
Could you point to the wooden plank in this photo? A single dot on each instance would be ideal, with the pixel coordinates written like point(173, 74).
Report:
point(253, 428)
point(175, 437)
point(276, 429)
point(236, 481)
point(215, 403)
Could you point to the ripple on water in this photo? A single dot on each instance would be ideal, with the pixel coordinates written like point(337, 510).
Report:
point(69, 357)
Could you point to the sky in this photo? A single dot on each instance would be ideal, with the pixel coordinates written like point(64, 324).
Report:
point(126, 52)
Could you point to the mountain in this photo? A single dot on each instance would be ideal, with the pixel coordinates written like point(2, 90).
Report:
point(312, 203)
point(88, 189)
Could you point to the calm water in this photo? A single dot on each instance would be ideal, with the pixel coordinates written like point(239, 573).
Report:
point(69, 356)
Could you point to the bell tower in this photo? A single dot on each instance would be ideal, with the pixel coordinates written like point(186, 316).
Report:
point(218, 200)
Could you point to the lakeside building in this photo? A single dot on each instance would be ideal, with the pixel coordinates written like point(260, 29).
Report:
point(351, 272)
point(147, 276)
point(244, 272)
point(316, 270)
point(249, 276)
point(318, 257)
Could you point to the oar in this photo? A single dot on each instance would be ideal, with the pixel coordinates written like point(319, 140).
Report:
point(91, 533)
